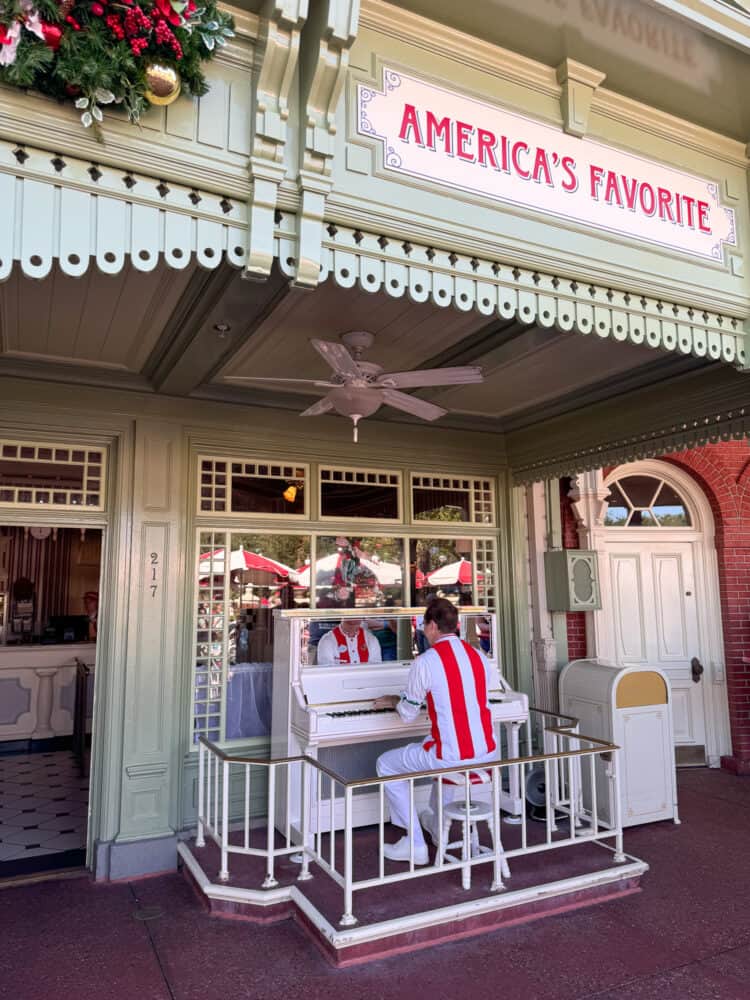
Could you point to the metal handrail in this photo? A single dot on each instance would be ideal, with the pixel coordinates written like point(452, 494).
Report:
point(600, 745)
point(83, 672)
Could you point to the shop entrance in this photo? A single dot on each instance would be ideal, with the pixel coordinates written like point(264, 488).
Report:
point(49, 597)
point(660, 605)
point(655, 623)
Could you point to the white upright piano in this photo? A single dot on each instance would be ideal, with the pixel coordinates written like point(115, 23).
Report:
point(325, 710)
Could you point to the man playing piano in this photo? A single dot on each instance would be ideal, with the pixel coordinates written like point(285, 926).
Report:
point(453, 679)
point(349, 642)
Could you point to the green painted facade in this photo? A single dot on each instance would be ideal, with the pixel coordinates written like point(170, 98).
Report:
point(288, 190)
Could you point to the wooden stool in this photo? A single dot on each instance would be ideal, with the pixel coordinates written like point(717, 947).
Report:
point(469, 815)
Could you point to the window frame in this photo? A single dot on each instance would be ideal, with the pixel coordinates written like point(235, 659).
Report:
point(70, 447)
point(474, 481)
point(245, 459)
point(338, 519)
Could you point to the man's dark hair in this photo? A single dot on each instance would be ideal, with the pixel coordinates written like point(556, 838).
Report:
point(443, 613)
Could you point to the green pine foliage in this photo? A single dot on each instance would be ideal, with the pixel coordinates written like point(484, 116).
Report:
point(97, 53)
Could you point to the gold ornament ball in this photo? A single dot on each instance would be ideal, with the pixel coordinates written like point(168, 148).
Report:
point(162, 84)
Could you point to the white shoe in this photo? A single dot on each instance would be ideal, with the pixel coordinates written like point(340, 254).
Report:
point(426, 818)
point(401, 850)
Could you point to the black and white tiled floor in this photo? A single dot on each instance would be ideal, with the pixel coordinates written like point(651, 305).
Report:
point(43, 805)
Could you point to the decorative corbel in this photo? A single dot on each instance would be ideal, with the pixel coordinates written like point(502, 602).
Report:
point(282, 22)
point(324, 61)
point(588, 496)
point(578, 84)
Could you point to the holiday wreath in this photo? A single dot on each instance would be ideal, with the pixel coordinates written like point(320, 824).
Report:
point(94, 52)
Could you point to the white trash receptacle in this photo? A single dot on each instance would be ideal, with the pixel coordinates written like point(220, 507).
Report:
point(631, 707)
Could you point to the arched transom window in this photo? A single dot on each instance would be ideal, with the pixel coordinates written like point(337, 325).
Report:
point(645, 502)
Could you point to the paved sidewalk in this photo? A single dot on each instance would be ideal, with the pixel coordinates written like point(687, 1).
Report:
point(685, 937)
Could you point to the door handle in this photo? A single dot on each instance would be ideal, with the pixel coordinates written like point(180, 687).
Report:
point(696, 669)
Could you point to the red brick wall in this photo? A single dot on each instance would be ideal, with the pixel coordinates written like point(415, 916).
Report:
point(576, 619)
point(723, 472)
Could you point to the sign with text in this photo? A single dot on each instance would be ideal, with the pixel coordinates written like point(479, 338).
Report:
point(447, 138)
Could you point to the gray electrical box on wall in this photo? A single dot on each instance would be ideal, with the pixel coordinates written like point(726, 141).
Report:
point(572, 580)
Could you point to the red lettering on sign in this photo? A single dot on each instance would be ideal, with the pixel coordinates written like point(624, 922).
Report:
point(541, 166)
point(630, 187)
point(410, 123)
point(516, 150)
point(439, 130)
point(689, 204)
point(647, 193)
point(665, 205)
point(486, 144)
point(612, 190)
point(703, 223)
point(570, 183)
point(595, 176)
point(464, 133)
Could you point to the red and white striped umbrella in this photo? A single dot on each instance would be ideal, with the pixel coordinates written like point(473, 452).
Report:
point(452, 574)
point(243, 561)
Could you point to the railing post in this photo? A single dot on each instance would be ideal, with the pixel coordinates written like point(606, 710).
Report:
point(348, 919)
point(466, 846)
point(497, 882)
point(576, 784)
point(200, 840)
point(514, 778)
point(614, 777)
point(270, 882)
point(305, 874)
point(224, 871)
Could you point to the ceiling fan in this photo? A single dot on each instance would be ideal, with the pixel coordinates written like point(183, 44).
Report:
point(359, 388)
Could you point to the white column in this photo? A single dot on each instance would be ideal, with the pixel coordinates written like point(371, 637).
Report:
point(43, 729)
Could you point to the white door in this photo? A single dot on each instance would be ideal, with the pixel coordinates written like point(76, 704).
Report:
point(655, 622)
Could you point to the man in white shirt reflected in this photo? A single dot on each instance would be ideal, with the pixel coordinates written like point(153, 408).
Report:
point(350, 642)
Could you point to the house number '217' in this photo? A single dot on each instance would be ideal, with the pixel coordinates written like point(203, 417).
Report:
point(153, 584)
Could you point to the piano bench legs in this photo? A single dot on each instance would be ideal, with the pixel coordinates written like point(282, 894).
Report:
point(469, 818)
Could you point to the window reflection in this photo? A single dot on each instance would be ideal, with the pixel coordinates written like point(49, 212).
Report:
point(398, 638)
point(442, 567)
point(358, 571)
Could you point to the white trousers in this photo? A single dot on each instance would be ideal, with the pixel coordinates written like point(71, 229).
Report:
point(406, 760)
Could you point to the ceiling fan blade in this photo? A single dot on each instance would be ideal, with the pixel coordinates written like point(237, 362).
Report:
point(337, 357)
point(431, 376)
point(270, 378)
point(410, 404)
point(322, 406)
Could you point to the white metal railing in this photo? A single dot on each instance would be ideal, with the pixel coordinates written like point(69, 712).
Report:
point(574, 768)
point(218, 772)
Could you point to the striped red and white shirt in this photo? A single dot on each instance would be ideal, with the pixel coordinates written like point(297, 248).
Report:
point(453, 679)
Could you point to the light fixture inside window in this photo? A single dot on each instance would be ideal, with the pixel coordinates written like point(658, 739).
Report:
point(290, 493)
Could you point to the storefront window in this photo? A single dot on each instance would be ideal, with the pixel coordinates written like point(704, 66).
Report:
point(359, 572)
point(244, 578)
point(460, 569)
point(49, 585)
point(235, 627)
point(360, 494)
point(231, 486)
point(34, 474)
point(452, 499)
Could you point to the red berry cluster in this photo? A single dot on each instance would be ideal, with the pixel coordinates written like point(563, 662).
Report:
point(135, 21)
point(165, 36)
point(72, 22)
point(113, 23)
